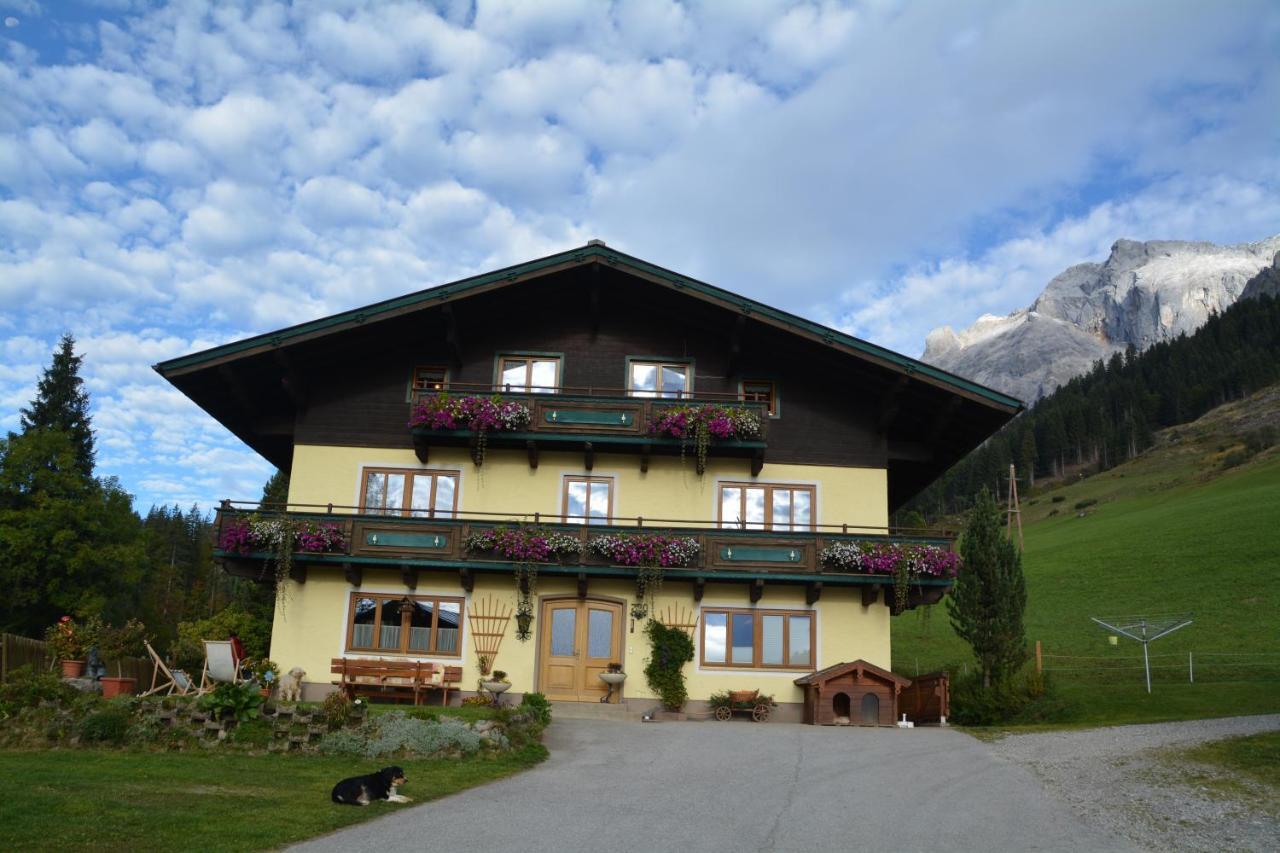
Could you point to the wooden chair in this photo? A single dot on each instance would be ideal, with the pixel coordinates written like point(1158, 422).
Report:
point(176, 680)
point(452, 676)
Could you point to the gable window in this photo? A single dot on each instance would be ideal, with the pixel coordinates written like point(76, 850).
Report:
point(758, 638)
point(405, 624)
point(421, 494)
point(588, 500)
point(428, 379)
point(764, 506)
point(658, 379)
point(761, 391)
point(531, 374)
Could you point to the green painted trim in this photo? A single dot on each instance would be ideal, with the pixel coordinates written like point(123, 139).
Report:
point(834, 579)
point(583, 255)
point(588, 417)
point(760, 553)
point(407, 539)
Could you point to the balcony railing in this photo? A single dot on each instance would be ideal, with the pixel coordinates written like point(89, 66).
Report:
point(436, 540)
point(590, 420)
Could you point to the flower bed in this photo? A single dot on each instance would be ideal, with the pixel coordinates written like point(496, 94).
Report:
point(650, 549)
point(247, 535)
point(524, 544)
point(479, 414)
point(890, 558)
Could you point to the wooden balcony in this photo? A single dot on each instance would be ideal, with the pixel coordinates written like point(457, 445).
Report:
point(750, 557)
point(595, 420)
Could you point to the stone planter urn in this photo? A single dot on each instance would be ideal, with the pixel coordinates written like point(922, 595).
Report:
point(72, 668)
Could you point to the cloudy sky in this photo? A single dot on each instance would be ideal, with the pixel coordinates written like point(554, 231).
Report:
point(175, 177)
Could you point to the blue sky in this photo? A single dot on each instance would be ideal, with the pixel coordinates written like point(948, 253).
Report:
point(174, 177)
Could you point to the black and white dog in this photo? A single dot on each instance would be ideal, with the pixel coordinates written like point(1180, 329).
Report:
point(362, 790)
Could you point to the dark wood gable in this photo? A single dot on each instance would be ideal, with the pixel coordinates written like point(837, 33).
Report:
point(345, 380)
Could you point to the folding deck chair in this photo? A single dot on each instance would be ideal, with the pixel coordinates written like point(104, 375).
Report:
point(219, 665)
point(176, 680)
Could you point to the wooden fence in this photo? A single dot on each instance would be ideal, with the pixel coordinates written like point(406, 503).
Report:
point(18, 651)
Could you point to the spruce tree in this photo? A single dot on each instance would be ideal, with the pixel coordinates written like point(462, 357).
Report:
point(275, 492)
point(62, 404)
point(990, 595)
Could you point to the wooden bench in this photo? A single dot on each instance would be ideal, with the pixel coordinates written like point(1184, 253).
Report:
point(393, 679)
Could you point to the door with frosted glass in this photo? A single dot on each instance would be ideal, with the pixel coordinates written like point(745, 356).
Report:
point(579, 641)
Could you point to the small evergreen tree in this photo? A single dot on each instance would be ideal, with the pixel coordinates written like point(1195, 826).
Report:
point(62, 404)
point(275, 492)
point(990, 595)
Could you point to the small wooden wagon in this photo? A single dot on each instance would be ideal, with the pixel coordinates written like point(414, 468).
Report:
point(742, 700)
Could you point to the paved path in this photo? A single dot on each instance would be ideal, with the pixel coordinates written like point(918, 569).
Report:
point(741, 786)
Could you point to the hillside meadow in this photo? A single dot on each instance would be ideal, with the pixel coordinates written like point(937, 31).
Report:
point(1193, 526)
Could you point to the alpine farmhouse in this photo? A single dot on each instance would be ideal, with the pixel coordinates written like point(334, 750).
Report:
point(517, 470)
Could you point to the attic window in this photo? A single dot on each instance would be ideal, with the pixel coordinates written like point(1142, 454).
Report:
point(658, 379)
point(428, 379)
point(761, 391)
point(533, 374)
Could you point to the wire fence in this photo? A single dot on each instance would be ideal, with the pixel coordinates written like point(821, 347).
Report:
point(1192, 667)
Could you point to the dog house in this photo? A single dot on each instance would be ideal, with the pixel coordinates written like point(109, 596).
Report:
point(927, 700)
point(852, 694)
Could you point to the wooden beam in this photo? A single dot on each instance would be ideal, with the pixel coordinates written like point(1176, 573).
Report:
point(869, 593)
point(451, 335)
point(467, 579)
point(291, 381)
point(582, 584)
point(409, 575)
point(645, 450)
point(890, 402)
point(757, 462)
point(734, 359)
point(910, 451)
point(354, 573)
point(756, 590)
point(699, 587)
point(421, 448)
point(812, 592)
point(532, 447)
point(298, 572)
point(589, 456)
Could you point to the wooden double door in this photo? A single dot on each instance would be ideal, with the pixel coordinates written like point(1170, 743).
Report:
point(578, 639)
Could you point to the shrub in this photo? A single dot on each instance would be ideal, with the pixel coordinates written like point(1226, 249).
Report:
point(1024, 699)
point(669, 650)
point(337, 709)
point(240, 702)
point(27, 688)
point(1057, 499)
point(1260, 439)
point(394, 733)
point(476, 700)
point(538, 706)
point(254, 632)
point(1236, 457)
point(1087, 502)
point(110, 725)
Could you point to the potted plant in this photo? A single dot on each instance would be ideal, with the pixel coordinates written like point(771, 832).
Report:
point(68, 642)
point(116, 643)
point(266, 673)
point(613, 676)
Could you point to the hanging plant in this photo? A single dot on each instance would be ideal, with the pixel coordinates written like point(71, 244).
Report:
point(651, 553)
point(903, 562)
point(704, 424)
point(526, 546)
point(280, 537)
point(481, 415)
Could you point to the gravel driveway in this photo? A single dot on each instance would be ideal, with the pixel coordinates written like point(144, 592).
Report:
point(743, 786)
point(1129, 781)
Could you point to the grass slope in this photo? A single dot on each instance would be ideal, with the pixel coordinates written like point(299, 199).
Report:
point(134, 801)
point(1170, 531)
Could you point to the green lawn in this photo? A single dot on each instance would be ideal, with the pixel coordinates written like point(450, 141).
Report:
point(1170, 532)
point(103, 800)
point(1254, 756)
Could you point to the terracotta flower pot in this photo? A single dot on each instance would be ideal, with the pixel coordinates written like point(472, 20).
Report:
point(265, 691)
point(72, 668)
point(112, 687)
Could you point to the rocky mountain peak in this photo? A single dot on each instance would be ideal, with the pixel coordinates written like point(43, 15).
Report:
point(1144, 292)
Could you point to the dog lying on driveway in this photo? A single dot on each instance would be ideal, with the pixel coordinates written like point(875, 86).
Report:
point(362, 790)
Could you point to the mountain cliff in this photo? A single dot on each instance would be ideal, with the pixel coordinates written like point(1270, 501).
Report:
point(1142, 293)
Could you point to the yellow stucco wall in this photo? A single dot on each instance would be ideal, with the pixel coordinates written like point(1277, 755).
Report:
point(310, 623)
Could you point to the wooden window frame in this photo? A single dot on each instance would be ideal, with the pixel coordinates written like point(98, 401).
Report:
point(406, 510)
point(769, 489)
point(654, 361)
point(529, 357)
point(406, 621)
point(757, 645)
point(583, 478)
point(415, 391)
point(774, 409)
